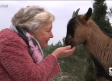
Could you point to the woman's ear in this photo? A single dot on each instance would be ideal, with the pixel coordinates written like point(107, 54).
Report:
point(88, 14)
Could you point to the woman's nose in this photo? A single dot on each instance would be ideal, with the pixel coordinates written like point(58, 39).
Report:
point(51, 35)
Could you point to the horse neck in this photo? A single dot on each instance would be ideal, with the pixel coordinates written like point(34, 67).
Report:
point(99, 45)
point(97, 41)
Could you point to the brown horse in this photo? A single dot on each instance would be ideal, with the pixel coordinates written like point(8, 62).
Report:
point(81, 29)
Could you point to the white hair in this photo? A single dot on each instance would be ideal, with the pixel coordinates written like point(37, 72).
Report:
point(32, 17)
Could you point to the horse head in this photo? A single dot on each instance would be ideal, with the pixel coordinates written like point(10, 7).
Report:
point(77, 28)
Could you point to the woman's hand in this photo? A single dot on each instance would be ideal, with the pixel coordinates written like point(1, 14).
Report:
point(63, 51)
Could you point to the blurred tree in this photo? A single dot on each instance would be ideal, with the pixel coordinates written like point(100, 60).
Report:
point(63, 41)
point(110, 12)
point(99, 16)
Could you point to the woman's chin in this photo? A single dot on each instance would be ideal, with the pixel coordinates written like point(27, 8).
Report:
point(44, 46)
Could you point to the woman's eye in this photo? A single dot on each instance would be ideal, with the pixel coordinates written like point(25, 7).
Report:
point(48, 30)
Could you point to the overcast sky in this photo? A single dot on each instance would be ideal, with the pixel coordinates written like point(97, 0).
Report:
point(61, 9)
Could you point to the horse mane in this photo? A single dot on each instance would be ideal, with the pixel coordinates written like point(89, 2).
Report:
point(109, 35)
point(106, 33)
point(93, 23)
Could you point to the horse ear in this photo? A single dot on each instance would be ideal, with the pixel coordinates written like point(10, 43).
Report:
point(75, 13)
point(88, 14)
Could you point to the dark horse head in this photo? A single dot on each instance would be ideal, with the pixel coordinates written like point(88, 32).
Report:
point(76, 28)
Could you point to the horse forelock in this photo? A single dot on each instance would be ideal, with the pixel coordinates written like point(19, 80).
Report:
point(73, 22)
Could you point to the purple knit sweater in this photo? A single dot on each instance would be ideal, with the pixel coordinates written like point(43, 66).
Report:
point(16, 63)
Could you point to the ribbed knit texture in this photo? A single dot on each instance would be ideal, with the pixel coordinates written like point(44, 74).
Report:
point(16, 63)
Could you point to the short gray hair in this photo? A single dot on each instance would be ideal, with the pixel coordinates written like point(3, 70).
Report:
point(32, 17)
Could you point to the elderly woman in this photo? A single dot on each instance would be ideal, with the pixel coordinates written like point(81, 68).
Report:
point(21, 55)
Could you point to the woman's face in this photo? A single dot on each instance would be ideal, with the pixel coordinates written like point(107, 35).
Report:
point(44, 34)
